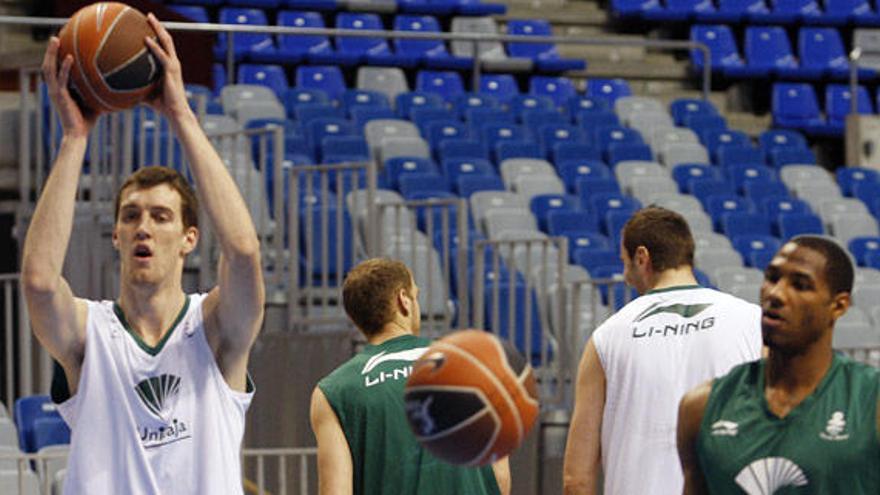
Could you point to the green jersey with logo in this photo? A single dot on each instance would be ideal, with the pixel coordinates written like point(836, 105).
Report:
point(828, 444)
point(366, 393)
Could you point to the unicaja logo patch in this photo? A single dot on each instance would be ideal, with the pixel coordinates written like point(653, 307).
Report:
point(770, 474)
point(159, 394)
point(835, 430)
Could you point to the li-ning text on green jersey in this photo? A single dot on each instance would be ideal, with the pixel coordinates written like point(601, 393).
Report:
point(366, 393)
point(828, 444)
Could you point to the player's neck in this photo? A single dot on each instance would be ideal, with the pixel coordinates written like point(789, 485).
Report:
point(792, 377)
point(389, 331)
point(674, 277)
point(151, 311)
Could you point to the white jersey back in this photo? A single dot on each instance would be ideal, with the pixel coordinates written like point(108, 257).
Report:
point(653, 351)
point(150, 421)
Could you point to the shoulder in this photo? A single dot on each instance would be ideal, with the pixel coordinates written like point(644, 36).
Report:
point(865, 374)
point(341, 377)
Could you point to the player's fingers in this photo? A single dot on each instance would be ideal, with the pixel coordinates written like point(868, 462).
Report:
point(165, 39)
point(157, 50)
point(50, 60)
point(64, 73)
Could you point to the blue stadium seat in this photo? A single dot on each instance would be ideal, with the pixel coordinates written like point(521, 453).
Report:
point(604, 137)
point(440, 130)
point(718, 205)
point(352, 50)
point(735, 11)
point(469, 184)
point(50, 431)
point(869, 193)
point(430, 53)
point(502, 86)
point(581, 103)
point(589, 186)
point(756, 250)
point(861, 247)
point(872, 260)
point(562, 221)
point(361, 115)
point(447, 84)
point(422, 117)
point(732, 156)
point(320, 128)
point(594, 258)
point(457, 167)
point(841, 12)
point(534, 119)
point(296, 49)
point(683, 11)
point(559, 89)
point(608, 89)
point(795, 106)
point(704, 187)
point(736, 224)
point(582, 243)
point(768, 52)
point(757, 190)
point(683, 173)
point(602, 203)
point(848, 177)
point(626, 9)
point(722, 46)
point(325, 78)
point(218, 76)
point(307, 113)
point(479, 116)
point(797, 11)
point(516, 149)
point(744, 174)
point(195, 13)
point(295, 97)
point(255, 4)
point(793, 224)
point(395, 168)
point(688, 107)
point(772, 139)
point(821, 53)
point(315, 218)
point(494, 133)
point(338, 149)
point(542, 204)
point(507, 290)
point(26, 412)
point(246, 45)
point(521, 104)
point(354, 98)
point(838, 100)
point(590, 120)
point(571, 170)
point(422, 184)
point(271, 76)
point(320, 5)
point(461, 148)
point(566, 151)
point(621, 152)
point(781, 157)
point(774, 207)
point(466, 101)
point(713, 139)
point(405, 103)
point(703, 122)
point(545, 55)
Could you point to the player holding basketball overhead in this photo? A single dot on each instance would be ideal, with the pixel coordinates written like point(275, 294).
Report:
point(158, 377)
point(802, 420)
point(641, 361)
point(365, 445)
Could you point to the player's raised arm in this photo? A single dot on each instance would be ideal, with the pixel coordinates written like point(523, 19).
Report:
point(501, 469)
point(234, 309)
point(57, 317)
point(335, 469)
point(583, 449)
point(690, 415)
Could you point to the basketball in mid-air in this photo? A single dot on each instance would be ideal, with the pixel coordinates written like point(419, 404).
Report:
point(112, 67)
point(471, 399)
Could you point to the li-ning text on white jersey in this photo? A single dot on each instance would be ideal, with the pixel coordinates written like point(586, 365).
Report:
point(153, 421)
point(653, 351)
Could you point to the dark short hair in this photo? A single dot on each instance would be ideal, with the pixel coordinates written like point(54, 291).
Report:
point(839, 272)
point(369, 290)
point(152, 176)
point(664, 233)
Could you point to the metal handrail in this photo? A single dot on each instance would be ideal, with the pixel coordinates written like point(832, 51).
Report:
point(474, 38)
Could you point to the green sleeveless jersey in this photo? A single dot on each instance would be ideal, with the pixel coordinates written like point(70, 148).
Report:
point(828, 444)
point(366, 393)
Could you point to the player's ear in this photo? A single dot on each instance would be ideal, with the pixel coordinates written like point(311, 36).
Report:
point(642, 256)
point(840, 303)
point(115, 237)
point(190, 239)
point(404, 301)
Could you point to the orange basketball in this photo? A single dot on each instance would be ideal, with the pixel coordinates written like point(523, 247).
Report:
point(112, 67)
point(471, 399)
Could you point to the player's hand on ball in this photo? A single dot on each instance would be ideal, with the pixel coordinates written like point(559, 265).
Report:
point(75, 121)
point(171, 99)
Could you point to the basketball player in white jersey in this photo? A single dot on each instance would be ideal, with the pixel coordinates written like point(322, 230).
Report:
point(158, 378)
point(640, 362)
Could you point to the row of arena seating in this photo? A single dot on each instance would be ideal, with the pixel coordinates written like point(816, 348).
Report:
point(796, 106)
point(829, 13)
point(431, 7)
point(351, 51)
point(34, 427)
point(768, 53)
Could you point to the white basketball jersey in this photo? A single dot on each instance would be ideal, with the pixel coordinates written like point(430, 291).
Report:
point(150, 421)
point(653, 351)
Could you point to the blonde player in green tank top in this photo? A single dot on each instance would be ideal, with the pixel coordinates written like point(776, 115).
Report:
point(358, 415)
point(803, 419)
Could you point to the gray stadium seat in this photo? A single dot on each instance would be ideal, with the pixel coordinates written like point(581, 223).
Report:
point(235, 96)
point(427, 269)
point(377, 130)
point(710, 259)
point(213, 124)
point(390, 81)
point(57, 460)
point(647, 123)
point(875, 317)
point(500, 220)
point(629, 169)
point(532, 185)
point(514, 167)
point(58, 482)
point(408, 146)
point(844, 227)
point(381, 6)
point(491, 50)
point(260, 110)
point(726, 277)
point(869, 41)
point(627, 107)
point(483, 201)
point(836, 206)
point(9, 463)
point(8, 433)
point(9, 483)
point(664, 135)
point(711, 240)
point(792, 175)
point(680, 203)
point(853, 330)
point(643, 188)
point(672, 154)
point(356, 203)
point(815, 193)
point(698, 221)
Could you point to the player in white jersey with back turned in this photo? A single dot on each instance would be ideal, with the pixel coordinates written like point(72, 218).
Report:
point(641, 361)
point(158, 378)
